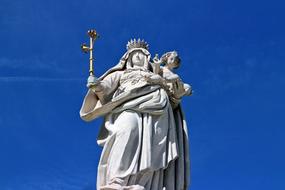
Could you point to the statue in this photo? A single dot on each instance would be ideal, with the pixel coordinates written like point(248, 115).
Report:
point(144, 134)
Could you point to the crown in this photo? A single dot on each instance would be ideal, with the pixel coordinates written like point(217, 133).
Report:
point(137, 44)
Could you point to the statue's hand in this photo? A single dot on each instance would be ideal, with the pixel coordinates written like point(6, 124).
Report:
point(157, 79)
point(153, 79)
point(182, 89)
point(92, 82)
point(156, 60)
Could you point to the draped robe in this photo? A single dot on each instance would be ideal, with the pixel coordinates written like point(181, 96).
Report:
point(144, 139)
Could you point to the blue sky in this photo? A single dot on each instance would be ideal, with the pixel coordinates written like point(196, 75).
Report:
point(232, 53)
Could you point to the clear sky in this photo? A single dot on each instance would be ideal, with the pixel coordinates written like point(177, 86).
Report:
point(232, 53)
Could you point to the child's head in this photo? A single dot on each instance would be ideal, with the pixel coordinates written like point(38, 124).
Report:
point(171, 60)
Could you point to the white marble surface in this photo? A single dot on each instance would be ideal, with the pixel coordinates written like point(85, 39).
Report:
point(144, 136)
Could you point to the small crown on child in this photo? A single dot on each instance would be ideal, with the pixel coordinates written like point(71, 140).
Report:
point(137, 44)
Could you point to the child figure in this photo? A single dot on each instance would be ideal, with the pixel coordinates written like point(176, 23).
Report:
point(169, 62)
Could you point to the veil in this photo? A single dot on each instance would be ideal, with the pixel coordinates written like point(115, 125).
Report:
point(124, 61)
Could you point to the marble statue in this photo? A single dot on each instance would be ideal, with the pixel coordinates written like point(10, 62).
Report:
point(144, 134)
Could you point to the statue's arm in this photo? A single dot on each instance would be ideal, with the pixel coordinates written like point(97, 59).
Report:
point(156, 79)
point(104, 88)
point(181, 89)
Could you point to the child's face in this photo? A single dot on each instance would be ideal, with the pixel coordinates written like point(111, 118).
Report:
point(172, 61)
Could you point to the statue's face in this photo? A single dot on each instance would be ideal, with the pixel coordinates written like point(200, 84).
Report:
point(138, 58)
point(173, 60)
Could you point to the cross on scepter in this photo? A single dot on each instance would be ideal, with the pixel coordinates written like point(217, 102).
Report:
point(93, 36)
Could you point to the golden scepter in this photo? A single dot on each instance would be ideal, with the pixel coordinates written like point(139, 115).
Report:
point(93, 36)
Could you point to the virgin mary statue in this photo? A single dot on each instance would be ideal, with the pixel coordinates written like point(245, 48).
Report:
point(144, 134)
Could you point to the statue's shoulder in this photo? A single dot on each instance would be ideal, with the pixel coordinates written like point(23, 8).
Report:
point(116, 74)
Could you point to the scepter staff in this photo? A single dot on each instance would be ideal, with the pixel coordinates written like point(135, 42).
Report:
point(93, 36)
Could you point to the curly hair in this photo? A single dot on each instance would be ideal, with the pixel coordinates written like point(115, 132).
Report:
point(177, 60)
